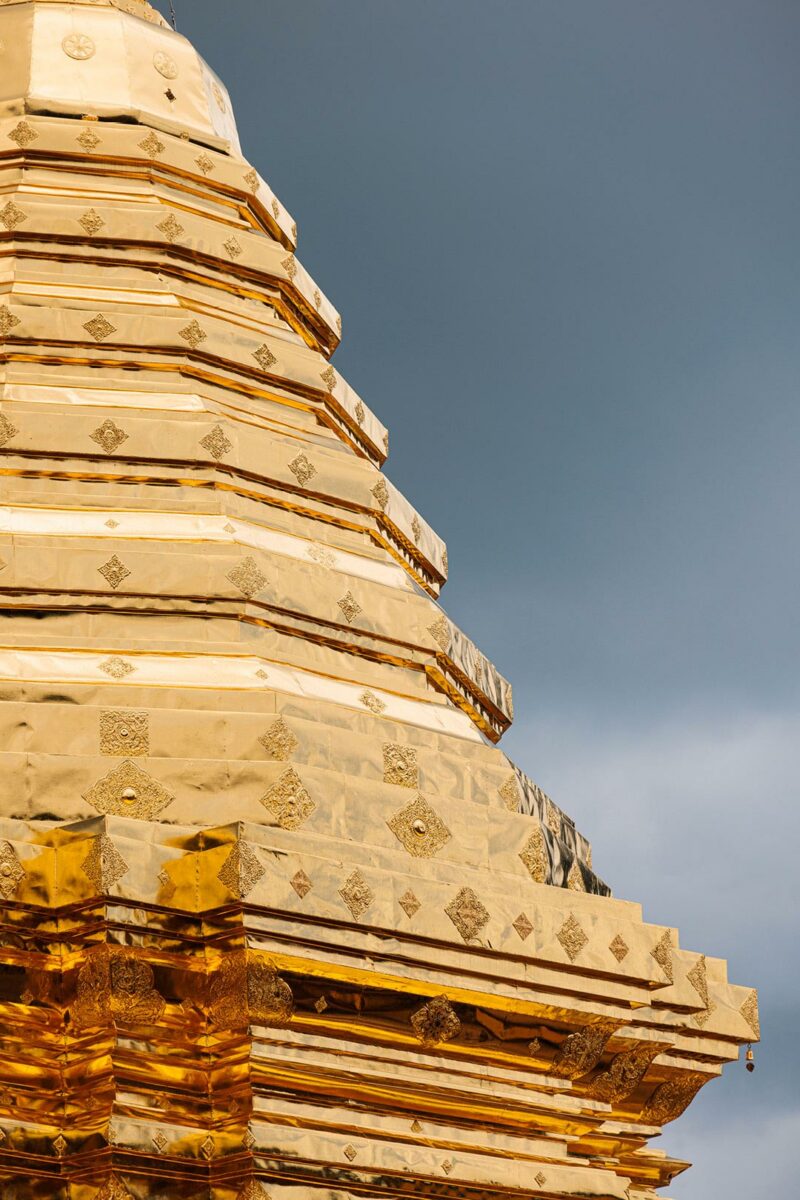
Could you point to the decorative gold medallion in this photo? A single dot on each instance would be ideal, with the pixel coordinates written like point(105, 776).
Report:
point(509, 794)
point(535, 857)
point(572, 937)
point(400, 765)
point(248, 578)
point(357, 894)
point(350, 607)
point(241, 870)
point(152, 145)
point(619, 948)
point(409, 903)
point(109, 436)
point(436, 1022)
point(88, 139)
point(440, 632)
point(264, 357)
point(124, 732)
point(91, 222)
point(78, 46)
point(7, 321)
point(279, 741)
point(23, 134)
point(99, 328)
point(381, 494)
point(302, 469)
point(127, 791)
point(171, 228)
point(662, 953)
point(193, 333)
point(301, 884)
point(7, 430)
point(288, 801)
point(11, 871)
point(372, 702)
point(11, 216)
point(419, 828)
point(165, 65)
point(114, 572)
point(117, 668)
point(104, 866)
point(523, 926)
point(749, 1011)
point(467, 914)
point(216, 443)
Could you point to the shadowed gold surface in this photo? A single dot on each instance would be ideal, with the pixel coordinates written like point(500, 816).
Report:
point(279, 918)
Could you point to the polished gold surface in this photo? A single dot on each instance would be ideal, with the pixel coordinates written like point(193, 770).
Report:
point(279, 917)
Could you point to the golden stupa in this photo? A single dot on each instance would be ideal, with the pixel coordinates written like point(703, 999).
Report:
point(279, 918)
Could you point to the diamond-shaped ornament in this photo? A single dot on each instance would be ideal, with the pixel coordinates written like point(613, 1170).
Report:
point(128, 791)
point(523, 926)
point(114, 571)
point(467, 914)
point(419, 828)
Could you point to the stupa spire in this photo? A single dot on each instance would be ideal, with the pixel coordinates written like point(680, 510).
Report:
point(281, 917)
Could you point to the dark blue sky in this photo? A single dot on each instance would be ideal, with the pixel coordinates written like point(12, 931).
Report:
point(564, 240)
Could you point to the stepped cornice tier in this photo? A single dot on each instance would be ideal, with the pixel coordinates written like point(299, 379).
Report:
point(279, 917)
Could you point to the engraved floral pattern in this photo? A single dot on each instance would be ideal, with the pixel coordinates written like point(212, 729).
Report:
point(216, 443)
point(468, 914)
point(248, 578)
point(91, 222)
point(436, 1022)
point(289, 801)
point(572, 937)
point(171, 228)
point(11, 216)
point(357, 894)
point(11, 871)
point(419, 828)
point(109, 436)
point(23, 134)
point(99, 328)
point(302, 469)
point(400, 765)
point(124, 732)
point(127, 791)
point(534, 856)
point(241, 870)
point(279, 741)
point(114, 572)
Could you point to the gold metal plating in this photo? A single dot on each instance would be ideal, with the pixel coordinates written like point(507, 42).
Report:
point(279, 919)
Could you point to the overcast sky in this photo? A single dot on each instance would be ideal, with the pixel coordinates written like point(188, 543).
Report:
point(564, 239)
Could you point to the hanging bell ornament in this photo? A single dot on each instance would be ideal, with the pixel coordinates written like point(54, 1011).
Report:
point(750, 1059)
